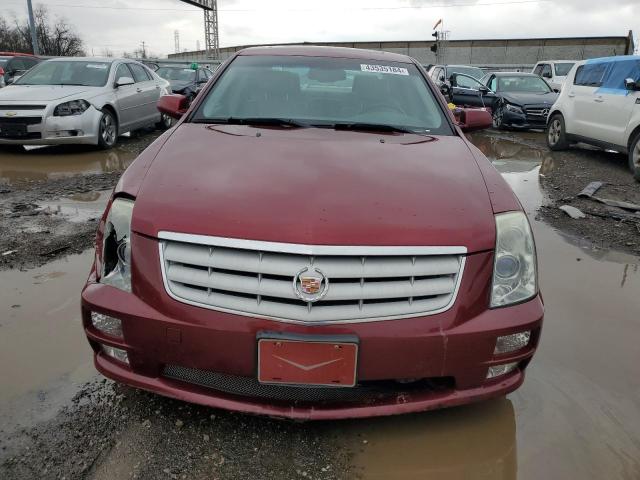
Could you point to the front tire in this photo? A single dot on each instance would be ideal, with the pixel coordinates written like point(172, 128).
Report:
point(556, 133)
point(108, 131)
point(498, 118)
point(634, 157)
point(165, 123)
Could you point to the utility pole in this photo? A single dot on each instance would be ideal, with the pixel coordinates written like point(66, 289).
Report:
point(32, 27)
point(176, 38)
point(144, 51)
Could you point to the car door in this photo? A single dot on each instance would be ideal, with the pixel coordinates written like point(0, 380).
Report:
point(467, 91)
point(148, 93)
point(127, 99)
point(586, 117)
point(614, 103)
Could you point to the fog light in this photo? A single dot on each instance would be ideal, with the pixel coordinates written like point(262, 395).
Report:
point(511, 343)
point(499, 370)
point(117, 353)
point(106, 324)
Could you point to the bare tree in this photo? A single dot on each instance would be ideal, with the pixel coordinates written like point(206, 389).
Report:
point(55, 38)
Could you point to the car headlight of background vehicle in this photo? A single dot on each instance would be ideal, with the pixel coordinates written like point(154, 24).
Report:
point(514, 108)
point(74, 107)
point(514, 270)
point(116, 249)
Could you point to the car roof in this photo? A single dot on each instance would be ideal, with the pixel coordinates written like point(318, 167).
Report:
point(617, 58)
point(15, 54)
point(336, 52)
point(514, 74)
point(557, 61)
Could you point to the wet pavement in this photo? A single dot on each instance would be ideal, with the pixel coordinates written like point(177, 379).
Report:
point(576, 416)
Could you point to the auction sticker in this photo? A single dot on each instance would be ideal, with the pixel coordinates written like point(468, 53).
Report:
point(384, 69)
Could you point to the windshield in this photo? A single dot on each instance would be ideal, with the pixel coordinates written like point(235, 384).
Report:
point(180, 74)
point(533, 84)
point(324, 92)
point(563, 68)
point(474, 72)
point(88, 74)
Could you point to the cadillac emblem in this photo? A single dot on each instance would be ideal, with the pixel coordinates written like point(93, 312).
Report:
point(310, 284)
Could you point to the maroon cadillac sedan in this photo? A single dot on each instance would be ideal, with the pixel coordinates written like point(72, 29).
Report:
point(315, 238)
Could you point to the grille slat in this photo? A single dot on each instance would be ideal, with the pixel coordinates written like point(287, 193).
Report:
point(254, 282)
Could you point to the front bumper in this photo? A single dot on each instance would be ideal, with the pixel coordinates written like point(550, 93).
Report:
point(53, 130)
point(523, 121)
point(452, 350)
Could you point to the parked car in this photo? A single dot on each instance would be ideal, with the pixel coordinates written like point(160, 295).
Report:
point(553, 71)
point(440, 74)
point(315, 239)
point(186, 81)
point(517, 100)
point(80, 100)
point(13, 65)
point(600, 105)
point(523, 100)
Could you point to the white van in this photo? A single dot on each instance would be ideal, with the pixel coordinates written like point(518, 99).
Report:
point(600, 105)
point(554, 71)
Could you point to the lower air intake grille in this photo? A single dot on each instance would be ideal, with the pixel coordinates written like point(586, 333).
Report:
point(250, 387)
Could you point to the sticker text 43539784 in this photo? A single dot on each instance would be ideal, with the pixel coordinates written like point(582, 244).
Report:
point(384, 69)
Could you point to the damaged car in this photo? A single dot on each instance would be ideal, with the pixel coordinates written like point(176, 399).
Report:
point(87, 101)
point(315, 238)
point(187, 81)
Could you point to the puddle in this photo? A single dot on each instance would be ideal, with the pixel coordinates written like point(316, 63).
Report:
point(80, 207)
point(43, 352)
point(42, 163)
point(578, 413)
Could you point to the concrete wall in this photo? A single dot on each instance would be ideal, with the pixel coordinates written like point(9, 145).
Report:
point(483, 53)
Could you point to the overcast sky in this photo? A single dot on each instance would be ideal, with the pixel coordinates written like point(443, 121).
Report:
point(121, 25)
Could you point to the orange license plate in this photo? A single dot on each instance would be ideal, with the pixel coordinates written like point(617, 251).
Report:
point(297, 362)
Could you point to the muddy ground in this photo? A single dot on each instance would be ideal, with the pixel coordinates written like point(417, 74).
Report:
point(577, 415)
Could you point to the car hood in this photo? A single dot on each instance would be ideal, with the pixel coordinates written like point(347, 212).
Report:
point(179, 84)
point(316, 186)
point(42, 93)
point(528, 98)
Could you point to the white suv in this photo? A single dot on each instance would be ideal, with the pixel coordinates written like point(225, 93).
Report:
point(554, 71)
point(600, 105)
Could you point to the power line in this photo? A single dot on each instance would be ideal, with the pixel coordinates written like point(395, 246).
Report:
point(272, 9)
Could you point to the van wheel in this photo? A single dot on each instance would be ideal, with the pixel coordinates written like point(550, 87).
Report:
point(634, 157)
point(108, 132)
point(556, 134)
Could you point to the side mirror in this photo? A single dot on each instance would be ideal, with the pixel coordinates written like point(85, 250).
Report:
point(472, 119)
point(122, 81)
point(484, 90)
point(556, 90)
point(631, 84)
point(173, 105)
point(546, 75)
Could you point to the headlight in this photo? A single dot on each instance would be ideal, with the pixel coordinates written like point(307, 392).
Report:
point(514, 108)
point(116, 250)
point(74, 107)
point(514, 268)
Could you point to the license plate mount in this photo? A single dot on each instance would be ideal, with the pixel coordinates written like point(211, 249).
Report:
point(308, 361)
point(13, 130)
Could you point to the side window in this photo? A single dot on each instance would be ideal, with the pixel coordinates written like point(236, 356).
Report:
point(139, 73)
point(591, 75)
point(620, 71)
point(434, 74)
point(18, 64)
point(493, 84)
point(538, 69)
point(123, 71)
point(546, 71)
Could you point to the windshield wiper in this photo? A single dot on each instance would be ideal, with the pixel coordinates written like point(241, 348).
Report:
point(259, 121)
point(376, 127)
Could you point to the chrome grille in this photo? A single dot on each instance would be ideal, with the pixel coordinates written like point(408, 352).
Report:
point(539, 112)
point(257, 278)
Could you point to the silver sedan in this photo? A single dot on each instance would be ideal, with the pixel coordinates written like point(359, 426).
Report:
point(80, 100)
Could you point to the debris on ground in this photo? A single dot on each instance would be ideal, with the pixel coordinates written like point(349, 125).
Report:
point(590, 189)
point(573, 212)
